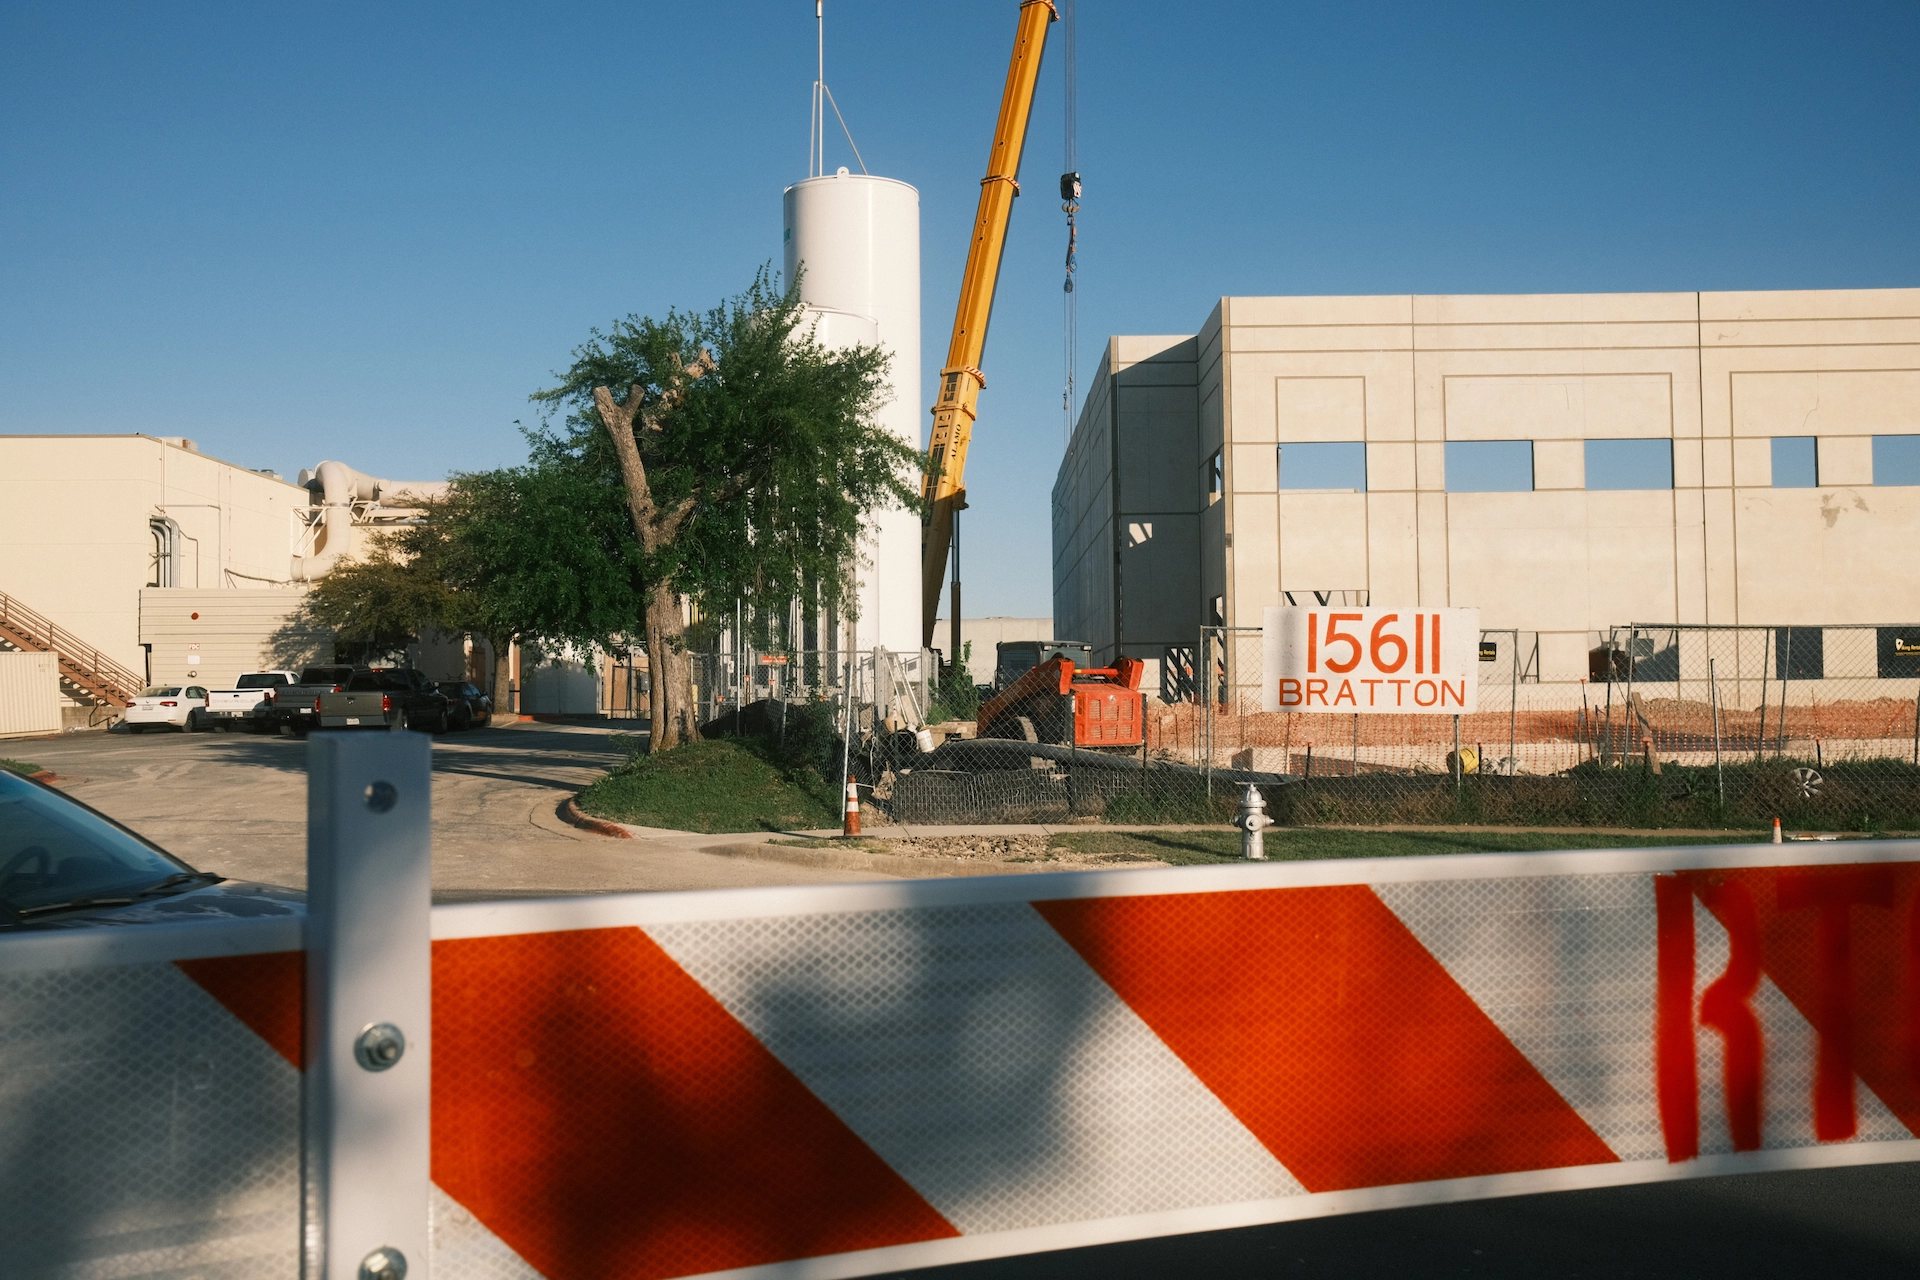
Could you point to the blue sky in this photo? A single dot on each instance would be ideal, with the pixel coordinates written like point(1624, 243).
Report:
point(369, 231)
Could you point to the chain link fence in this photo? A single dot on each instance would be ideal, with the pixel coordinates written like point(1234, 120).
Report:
point(889, 690)
point(866, 713)
point(1674, 726)
point(1695, 726)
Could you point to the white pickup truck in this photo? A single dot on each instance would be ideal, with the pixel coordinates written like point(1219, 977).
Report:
point(249, 702)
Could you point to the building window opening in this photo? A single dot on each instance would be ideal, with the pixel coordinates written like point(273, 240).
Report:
point(1489, 466)
point(1336, 466)
point(1216, 478)
point(1896, 460)
point(1796, 463)
point(1799, 653)
point(1629, 464)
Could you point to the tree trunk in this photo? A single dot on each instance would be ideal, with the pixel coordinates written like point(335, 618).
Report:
point(502, 647)
point(670, 703)
point(670, 688)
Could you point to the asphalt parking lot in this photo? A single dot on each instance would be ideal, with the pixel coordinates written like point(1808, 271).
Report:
point(236, 804)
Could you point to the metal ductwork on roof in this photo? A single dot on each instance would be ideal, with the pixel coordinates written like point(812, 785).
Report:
point(348, 502)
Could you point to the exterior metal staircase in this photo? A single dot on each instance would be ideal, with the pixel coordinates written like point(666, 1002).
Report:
point(86, 675)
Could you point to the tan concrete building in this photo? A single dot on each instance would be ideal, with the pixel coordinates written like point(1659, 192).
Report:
point(167, 564)
point(1564, 463)
point(92, 527)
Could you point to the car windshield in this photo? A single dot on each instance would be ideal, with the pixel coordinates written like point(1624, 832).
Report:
point(382, 681)
point(261, 680)
point(454, 688)
point(170, 691)
point(325, 675)
point(56, 854)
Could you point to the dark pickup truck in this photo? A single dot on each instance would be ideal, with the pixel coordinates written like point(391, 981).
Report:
point(294, 707)
point(385, 698)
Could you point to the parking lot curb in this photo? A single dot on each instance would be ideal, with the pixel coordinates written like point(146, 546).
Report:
point(570, 812)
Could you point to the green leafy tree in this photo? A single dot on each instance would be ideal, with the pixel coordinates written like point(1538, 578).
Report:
point(746, 455)
point(378, 604)
point(540, 552)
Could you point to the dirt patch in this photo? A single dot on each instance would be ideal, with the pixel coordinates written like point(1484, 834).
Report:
point(989, 848)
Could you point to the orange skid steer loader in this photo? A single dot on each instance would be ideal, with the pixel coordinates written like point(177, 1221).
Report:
point(1060, 705)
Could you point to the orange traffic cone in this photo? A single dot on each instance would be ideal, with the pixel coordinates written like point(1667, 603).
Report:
point(851, 827)
point(1776, 830)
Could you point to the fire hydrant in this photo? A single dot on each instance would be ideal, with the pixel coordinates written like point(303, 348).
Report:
point(1252, 820)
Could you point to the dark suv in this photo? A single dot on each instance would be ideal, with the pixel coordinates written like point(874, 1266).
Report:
point(471, 705)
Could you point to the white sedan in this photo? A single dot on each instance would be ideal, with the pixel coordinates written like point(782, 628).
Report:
point(181, 706)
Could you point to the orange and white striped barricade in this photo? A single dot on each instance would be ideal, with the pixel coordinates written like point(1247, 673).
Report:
point(855, 1079)
point(150, 1099)
point(153, 1075)
point(849, 1080)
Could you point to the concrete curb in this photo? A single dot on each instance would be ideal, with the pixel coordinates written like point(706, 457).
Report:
point(570, 813)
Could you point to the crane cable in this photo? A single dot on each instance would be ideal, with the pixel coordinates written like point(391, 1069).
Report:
point(1070, 205)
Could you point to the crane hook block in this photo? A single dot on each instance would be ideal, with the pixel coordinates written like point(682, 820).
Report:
point(1070, 186)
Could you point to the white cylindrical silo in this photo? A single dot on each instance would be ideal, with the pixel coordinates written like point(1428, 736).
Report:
point(855, 240)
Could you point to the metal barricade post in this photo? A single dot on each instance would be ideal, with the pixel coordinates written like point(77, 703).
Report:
point(368, 1006)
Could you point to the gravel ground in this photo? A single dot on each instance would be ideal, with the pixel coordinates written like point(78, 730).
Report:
point(998, 848)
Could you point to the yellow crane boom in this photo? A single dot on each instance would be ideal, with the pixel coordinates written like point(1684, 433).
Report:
point(944, 485)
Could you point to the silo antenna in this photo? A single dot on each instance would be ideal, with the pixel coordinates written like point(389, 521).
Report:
point(822, 99)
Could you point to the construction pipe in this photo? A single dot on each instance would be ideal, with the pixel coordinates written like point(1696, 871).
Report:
point(960, 752)
point(341, 487)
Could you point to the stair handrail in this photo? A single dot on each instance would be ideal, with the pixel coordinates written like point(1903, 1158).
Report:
point(113, 677)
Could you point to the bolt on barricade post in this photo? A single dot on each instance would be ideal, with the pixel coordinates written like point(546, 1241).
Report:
point(368, 1032)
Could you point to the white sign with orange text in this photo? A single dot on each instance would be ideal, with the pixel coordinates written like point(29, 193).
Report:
point(1372, 661)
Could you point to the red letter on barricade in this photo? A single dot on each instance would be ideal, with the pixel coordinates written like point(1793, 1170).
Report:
point(1676, 1067)
point(1289, 692)
point(1727, 1007)
point(1913, 991)
point(1835, 892)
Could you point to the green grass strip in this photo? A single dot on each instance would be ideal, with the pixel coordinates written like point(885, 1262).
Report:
point(718, 785)
point(1292, 845)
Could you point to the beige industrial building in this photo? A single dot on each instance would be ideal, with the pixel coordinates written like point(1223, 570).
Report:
point(1564, 463)
point(141, 559)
